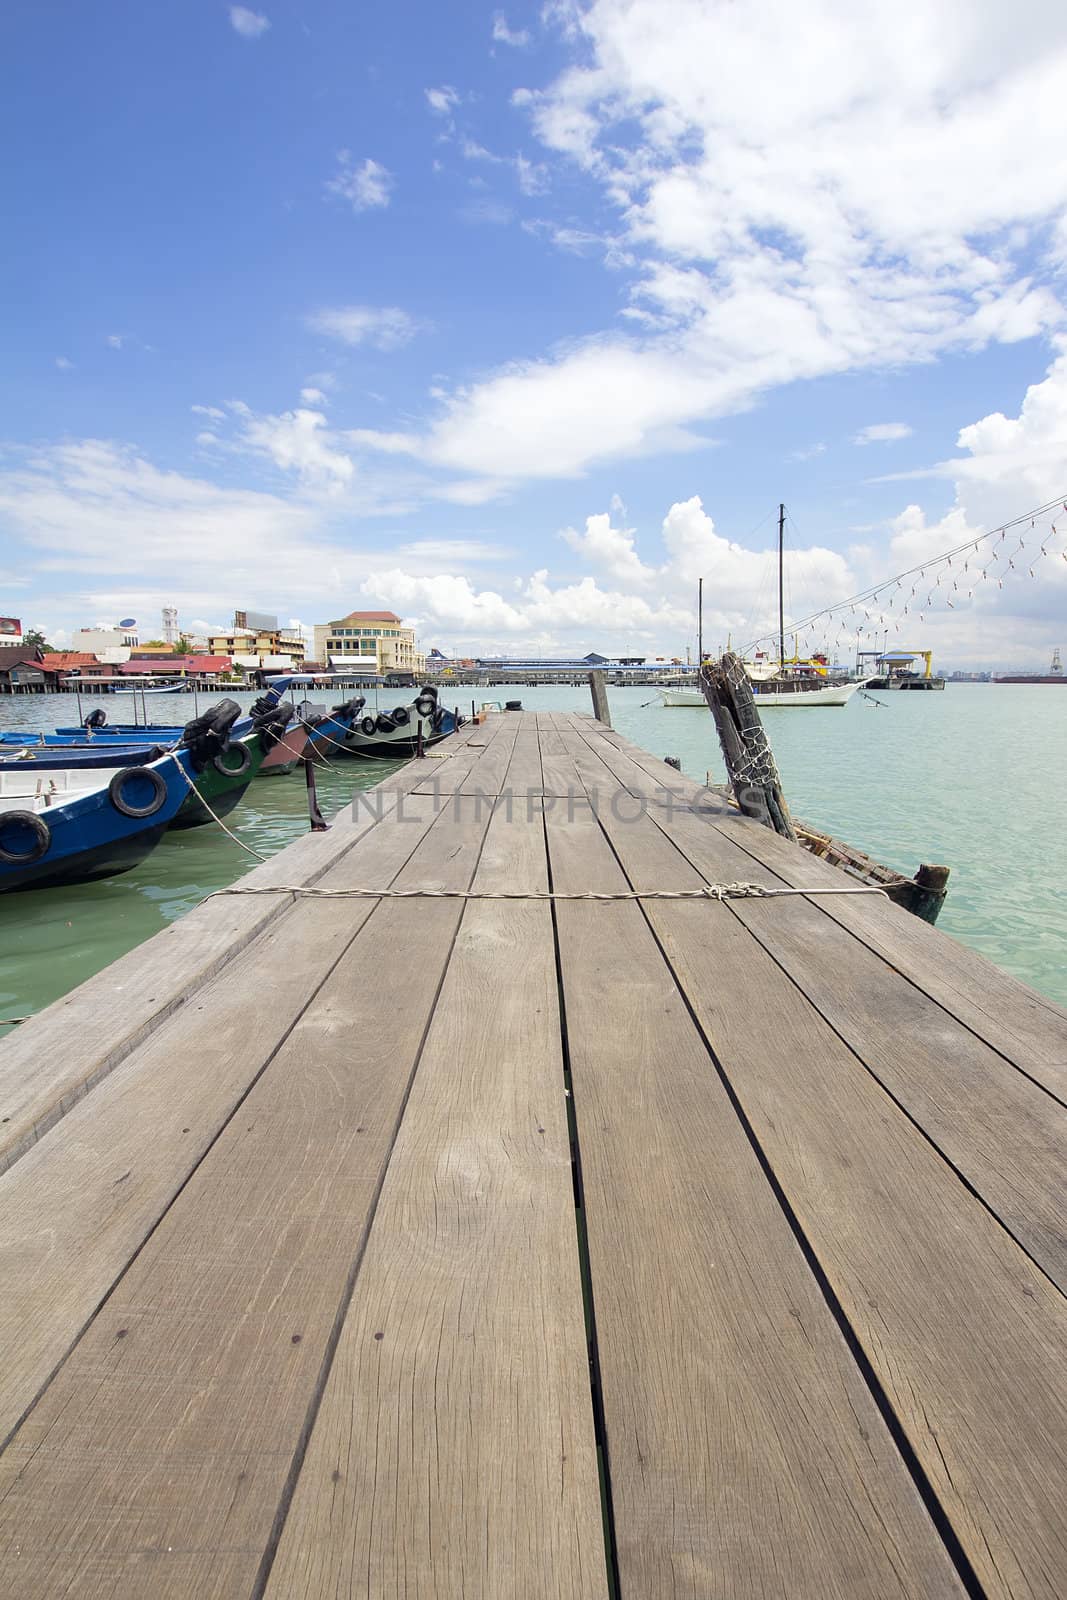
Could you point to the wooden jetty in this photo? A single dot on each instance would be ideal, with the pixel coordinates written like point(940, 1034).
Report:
point(409, 1245)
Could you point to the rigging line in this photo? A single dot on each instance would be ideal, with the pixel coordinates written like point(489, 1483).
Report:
point(1058, 503)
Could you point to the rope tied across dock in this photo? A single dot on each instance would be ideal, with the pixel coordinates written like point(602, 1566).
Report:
point(709, 891)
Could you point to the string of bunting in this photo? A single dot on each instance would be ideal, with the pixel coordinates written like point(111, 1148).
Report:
point(1020, 549)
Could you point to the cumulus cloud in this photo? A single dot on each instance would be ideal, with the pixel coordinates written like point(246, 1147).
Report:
point(313, 397)
point(249, 24)
point(384, 327)
point(610, 549)
point(366, 185)
point(883, 433)
point(64, 364)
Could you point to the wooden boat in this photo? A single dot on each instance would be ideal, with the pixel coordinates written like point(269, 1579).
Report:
point(778, 691)
point(402, 732)
point(775, 683)
point(96, 834)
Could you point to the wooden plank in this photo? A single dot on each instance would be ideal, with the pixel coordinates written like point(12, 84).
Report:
point(115, 1010)
point(42, 1072)
point(598, 688)
point(157, 1458)
point(1022, 1025)
point(1001, 1131)
point(967, 1337)
point(746, 1455)
point(454, 1452)
point(82, 1200)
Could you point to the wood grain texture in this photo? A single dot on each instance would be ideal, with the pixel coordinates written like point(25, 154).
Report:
point(746, 1454)
point(42, 1076)
point(79, 1203)
point(158, 1456)
point(453, 1455)
point(1024, 1026)
point(1002, 1132)
point(966, 1335)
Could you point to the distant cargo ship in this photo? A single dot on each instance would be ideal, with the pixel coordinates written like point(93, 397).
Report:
point(1055, 674)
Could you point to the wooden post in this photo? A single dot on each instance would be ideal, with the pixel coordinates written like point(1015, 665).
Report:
point(600, 698)
point(318, 822)
point(749, 760)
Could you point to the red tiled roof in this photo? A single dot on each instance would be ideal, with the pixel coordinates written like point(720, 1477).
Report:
point(64, 660)
point(371, 616)
point(208, 663)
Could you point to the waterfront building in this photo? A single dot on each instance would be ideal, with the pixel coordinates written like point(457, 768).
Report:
point(377, 635)
point(110, 644)
point(256, 640)
point(10, 631)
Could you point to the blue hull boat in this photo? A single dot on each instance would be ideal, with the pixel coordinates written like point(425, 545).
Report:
point(101, 832)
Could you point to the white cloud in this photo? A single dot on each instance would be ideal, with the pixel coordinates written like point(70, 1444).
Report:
point(313, 397)
point(883, 433)
point(442, 100)
point(808, 454)
point(518, 38)
point(385, 327)
point(116, 341)
point(365, 186)
point(299, 441)
point(610, 549)
point(209, 411)
point(876, 203)
point(249, 24)
point(64, 364)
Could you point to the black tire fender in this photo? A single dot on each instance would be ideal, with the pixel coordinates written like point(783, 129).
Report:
point(368, 727)
point(118, 781)
point(401, 716)
point(385, 723)
point(426, 705)
point(41, 832)
point(222, 764)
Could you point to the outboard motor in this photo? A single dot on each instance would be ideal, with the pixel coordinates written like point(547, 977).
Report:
point(349, 710)
point(208, 736)
point(97, 718)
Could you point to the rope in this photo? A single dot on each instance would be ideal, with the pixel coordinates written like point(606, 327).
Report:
point(194, 790)
point(709, 891)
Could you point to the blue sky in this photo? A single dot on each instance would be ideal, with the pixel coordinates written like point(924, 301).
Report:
point(518, 321)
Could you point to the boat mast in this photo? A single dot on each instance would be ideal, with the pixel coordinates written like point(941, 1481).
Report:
point(781, 587)
point(700, 623)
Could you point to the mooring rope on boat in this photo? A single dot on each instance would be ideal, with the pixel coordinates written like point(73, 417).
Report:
point(194, 790)
point(710, 891)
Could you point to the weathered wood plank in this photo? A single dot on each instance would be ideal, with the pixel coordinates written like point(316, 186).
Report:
point(746, 1455)
point(1022, 1025)
point(115, 1010)
point(1000, 1130)
point(453, 1453)
point(157, 1458)
point(966, 1335)
point(78, 1204)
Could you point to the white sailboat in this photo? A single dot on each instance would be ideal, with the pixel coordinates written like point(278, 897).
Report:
point(781, 683)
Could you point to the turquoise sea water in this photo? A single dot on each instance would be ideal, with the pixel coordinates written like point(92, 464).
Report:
point(975, 777)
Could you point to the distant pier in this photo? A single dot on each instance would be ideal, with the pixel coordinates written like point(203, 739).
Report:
point(508, 1203)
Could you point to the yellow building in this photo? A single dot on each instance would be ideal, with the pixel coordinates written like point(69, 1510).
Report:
point(259, 647)
point(380, 634)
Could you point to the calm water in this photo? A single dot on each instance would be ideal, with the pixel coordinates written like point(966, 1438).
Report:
point(975, 777)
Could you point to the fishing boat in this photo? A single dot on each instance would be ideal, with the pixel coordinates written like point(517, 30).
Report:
point(95, 834)
point(783, 682)
point(404, 731)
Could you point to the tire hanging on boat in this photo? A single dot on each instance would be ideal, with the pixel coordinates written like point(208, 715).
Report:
point(244, 761)
point(400, 716)
point(119, 801)
point(41, 837)
point(385, 723)
point(368, 727)
point(426, 704)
